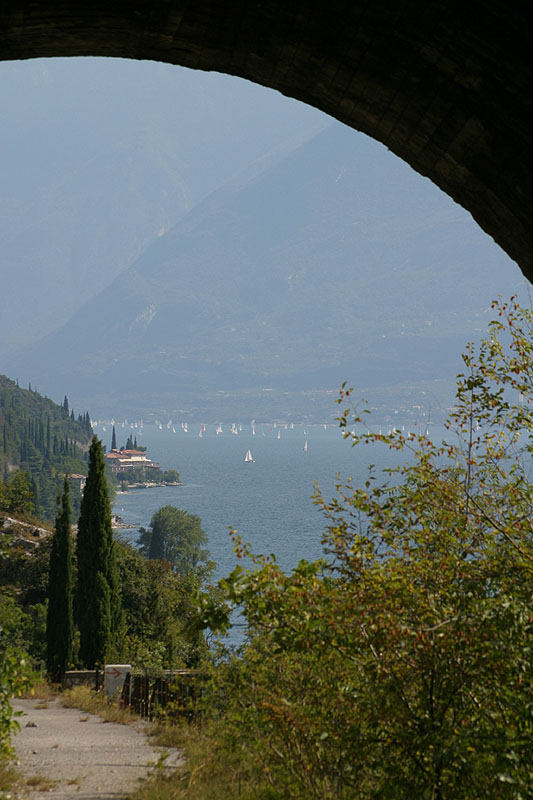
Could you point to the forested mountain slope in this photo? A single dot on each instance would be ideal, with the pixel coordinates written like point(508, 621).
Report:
point(42, 438)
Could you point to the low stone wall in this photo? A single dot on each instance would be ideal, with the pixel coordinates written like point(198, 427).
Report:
point(83, 677)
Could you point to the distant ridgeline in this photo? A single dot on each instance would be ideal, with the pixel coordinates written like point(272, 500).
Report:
point(44, 439)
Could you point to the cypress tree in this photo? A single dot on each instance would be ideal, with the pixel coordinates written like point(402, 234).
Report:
point(34, 488)
point(98, 610)
point(114, 439)
point(59, 620)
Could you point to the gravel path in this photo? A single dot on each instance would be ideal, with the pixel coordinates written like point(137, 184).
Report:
point(66, 753)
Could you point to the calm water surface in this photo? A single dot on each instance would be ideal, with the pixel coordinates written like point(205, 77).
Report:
point(268, 501)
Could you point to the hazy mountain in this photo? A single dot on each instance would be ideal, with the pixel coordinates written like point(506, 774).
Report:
point(99, 156)
point(338, 263)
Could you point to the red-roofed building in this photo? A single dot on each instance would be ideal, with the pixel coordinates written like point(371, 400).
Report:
point(122, 460)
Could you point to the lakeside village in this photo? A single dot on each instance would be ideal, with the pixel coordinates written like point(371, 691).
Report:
point(131, 468)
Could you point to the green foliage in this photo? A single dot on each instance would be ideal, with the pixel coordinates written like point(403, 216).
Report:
point(176, 536)
point(15, 676)
point(13, 623)
point(401, 664)
point(171, 476)
point(98, 609)
point(60, 623)
point(17, 495)
point(27, 572)
point(40, 438)
point(158, 609)
point(139, 475)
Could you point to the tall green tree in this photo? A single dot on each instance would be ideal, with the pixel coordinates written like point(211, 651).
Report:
point(59, 620)
point(175, 536)
point(114, 439)
point(98, 608)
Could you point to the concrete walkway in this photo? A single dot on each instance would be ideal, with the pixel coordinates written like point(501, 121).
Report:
point(69, 754)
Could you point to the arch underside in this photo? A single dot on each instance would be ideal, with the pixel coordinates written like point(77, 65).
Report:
point(446, 86)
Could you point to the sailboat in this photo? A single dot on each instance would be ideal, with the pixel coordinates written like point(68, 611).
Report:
point(249, 459)
point(305, 446)
point(279, 435)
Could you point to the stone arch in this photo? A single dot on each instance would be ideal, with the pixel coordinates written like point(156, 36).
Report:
point(447, 86)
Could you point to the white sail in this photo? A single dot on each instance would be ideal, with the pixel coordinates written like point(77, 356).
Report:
point(248, 457)
point(305, 446)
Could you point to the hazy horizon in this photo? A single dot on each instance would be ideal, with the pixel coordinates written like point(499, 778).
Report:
point(104, 160)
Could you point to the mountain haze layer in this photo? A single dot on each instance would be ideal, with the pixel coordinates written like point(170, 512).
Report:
point(338, 263)
point(99, 156)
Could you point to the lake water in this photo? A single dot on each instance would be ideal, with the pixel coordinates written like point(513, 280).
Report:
point(268, 501)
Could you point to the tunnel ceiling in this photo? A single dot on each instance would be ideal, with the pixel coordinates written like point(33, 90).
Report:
point(447, 86)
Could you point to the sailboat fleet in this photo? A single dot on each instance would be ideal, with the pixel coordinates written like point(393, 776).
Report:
point(235, 430)
point(272, 430)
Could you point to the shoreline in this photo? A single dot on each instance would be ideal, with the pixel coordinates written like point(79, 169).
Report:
point(147, 485)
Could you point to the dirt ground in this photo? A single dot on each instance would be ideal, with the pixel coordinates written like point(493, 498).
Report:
point(66, 753)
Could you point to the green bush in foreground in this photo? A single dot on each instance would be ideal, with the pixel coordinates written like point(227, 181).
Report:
point(400, 665)
point(15, 674)
point(15, 678)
